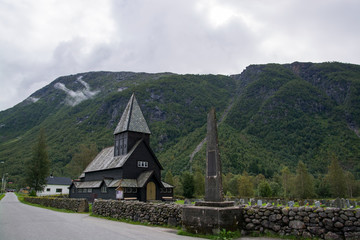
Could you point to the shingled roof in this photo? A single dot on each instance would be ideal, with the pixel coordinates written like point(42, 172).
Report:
point(132, 119)
point(106, 160)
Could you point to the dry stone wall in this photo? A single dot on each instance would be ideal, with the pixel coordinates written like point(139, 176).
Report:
point(76, 205)
point(307, 222)
point(146, 212)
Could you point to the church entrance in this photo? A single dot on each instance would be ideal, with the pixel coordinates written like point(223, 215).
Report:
point(150, 191)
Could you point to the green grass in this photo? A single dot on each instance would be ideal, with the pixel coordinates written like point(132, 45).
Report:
point(223, 235)
point(2, 195)
point(182, 202)
point(124, 220)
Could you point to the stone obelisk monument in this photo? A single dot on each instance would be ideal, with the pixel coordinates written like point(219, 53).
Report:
point(213, 182)
point(213, 214)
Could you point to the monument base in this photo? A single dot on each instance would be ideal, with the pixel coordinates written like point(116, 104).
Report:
point(210, 220)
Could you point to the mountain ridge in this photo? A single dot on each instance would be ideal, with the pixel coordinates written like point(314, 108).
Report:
point(280, 114)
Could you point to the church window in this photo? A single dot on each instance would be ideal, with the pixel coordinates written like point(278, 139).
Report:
point(104, 189)
point(142, 164)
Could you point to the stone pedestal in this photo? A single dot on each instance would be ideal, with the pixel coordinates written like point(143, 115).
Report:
point(211, 220)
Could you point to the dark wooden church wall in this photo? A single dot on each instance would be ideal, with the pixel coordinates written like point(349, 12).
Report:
point(116, 173)
point(131, 170)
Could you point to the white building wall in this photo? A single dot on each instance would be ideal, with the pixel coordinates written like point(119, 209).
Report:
point(54, 190)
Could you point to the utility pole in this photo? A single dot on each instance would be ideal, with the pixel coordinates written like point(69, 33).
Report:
point(3, 179)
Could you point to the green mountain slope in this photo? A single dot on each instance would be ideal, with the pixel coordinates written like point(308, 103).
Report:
point(278, 115)
point(174, 106)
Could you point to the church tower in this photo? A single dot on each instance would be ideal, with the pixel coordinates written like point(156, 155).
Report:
point(131, 128)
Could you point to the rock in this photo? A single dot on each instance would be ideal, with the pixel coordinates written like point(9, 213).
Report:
point(338, 225)
point(331, 236)
point(296, 224)
point(249, 226)
point(306, 235)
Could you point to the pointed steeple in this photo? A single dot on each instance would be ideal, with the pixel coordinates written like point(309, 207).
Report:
point(132, 119)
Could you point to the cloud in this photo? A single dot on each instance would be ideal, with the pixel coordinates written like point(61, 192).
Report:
point(42, 40)
point(75, 97)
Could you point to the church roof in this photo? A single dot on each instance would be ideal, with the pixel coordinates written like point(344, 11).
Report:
point(106, 160)
point(132, 119)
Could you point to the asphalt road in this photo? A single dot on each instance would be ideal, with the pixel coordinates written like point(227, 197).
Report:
point(23, 222)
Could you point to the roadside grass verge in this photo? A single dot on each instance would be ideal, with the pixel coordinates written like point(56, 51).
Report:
point(1, 196)
point(21, 199)
point(132, 222)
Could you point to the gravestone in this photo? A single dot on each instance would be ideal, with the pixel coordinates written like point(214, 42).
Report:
point(347, 203)
point(259, 202)
point(213, 214)
point(291, 203)
point(337, 203)
point(252, 202)
point(342, 203)
point(317, 204)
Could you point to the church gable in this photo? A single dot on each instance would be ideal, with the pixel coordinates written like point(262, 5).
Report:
point(142, 159)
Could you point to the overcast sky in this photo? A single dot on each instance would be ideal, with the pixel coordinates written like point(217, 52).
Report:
point(41, 40)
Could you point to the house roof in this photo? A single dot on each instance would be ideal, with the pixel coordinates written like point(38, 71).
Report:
point(88, 184)
point(132, 119)
point(51, 180)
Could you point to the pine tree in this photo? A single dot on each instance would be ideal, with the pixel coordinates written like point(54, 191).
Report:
point(38, 167)
point(304, 182)
point(336, 178)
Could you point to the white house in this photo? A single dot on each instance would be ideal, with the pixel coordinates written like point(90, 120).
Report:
point(56, 185)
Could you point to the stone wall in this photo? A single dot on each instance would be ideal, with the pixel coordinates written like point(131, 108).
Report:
point(329, 223)
point(76, 205)
point(153, 213)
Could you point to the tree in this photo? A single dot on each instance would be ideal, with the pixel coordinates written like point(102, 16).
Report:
point(169, 178)
point(304, 182)
point(336, 178)
point(264, 189)
point(187, 181)
point(199, 183)
point(350, 184)
point(233, 185)
point(275, 189)
point(82, 158)
point(286, 180)
point(178, 188)
point(246, 187)
point(38, 167)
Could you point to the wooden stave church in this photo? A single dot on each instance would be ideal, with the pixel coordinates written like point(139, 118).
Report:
point(129, 170)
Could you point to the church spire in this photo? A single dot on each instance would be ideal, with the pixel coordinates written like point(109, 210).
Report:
point(132, 119)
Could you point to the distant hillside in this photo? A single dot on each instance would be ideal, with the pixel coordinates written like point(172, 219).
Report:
point(276, 115)
point(283, 114)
